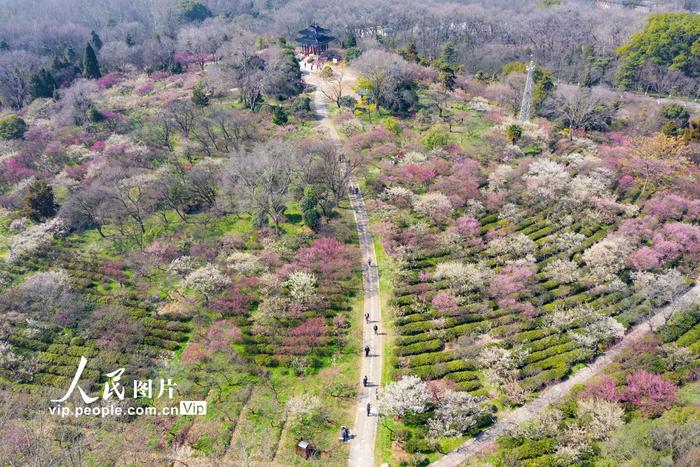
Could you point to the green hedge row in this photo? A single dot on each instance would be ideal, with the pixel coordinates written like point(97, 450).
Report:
point(463, 376)
point(531, 449)
point(168, 335)
point(469, 386)
point(538, 381)
point(434, 345)
point(680, 324)
point(438, 370)
point(429, 359)
point(163, 343)
point(549, 352)
point(561, 360)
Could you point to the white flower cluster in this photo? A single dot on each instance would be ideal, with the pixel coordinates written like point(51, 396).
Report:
point(207, 280)
point(301, 285)
point(182, 266)
point(246, 264)
point(35, 237)
point(463, 277)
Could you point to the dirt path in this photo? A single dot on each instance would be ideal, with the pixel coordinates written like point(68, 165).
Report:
point(364, 430)
point(553, 394)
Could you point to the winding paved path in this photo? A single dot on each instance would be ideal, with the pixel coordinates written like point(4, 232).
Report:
point(553, 394)
point(365, 429)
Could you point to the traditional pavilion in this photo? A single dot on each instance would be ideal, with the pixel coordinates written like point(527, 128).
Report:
point(314, 39)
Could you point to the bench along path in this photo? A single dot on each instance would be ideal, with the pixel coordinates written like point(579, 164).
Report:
point(365, 429)
point(484, 441)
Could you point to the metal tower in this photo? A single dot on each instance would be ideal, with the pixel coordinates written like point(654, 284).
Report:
point(527, 94)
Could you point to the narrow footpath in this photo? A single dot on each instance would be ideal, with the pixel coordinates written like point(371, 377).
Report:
point(484, 441)
point(364, 431)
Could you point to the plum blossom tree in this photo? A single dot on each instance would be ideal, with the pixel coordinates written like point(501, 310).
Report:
point(547, 180)
point(435, 206)
point(301, 285)
point(455, 414)
point(562, 271)
point(463, 277)
point(409, 395)
point(644, 259)
point(514, 246)
point(606, 258)
point(468, 229)
point(207, 280)
point(444, 302)
point(604, 388)
point(649, 393)
point(658, 289)
point(244, 263)
point(600, 331)
point(501, 364)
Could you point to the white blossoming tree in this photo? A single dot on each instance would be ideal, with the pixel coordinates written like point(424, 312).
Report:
point(562, 271)
point(301, 285)
point(409, 395)
point(606, 258)
point(463, 277)
point(456, 413)
point(207, 280)
point(600, 331)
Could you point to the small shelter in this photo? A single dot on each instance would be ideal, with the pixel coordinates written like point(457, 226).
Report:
point(305, 449)
point(314, 39)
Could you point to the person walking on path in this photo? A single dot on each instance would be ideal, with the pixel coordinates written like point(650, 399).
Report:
point(366, 317)
point(369, 409)
point(366, 350)
point(376, 329)
point(364, 381)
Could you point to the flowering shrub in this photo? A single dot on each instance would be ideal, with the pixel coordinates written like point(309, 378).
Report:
point(606, 258)
point(455, 414)
point(463, 277)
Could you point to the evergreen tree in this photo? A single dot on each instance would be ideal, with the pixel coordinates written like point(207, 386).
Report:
point(514, 132)
point(449, 54)
point(12, 127)
point(350, 41)
point(309, 206)
point(95, 40)
point(199, 97)
point(129, 39)
point(279, 115)
point(176, 68)
point(410, 53)
point(4, 45)
point(38, 202)
point(447, 77)
point(91, 67)
point(42, 84)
